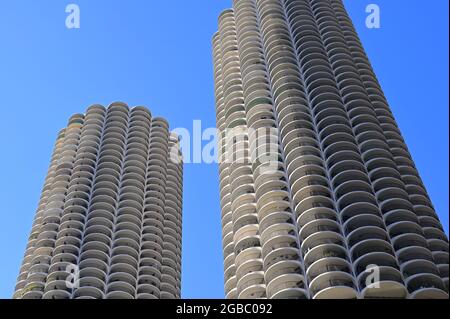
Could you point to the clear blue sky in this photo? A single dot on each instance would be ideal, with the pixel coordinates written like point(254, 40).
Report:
point(158, 54)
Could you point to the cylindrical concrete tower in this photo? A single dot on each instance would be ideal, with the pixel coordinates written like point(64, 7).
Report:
point(108, 224)
point(343, 213)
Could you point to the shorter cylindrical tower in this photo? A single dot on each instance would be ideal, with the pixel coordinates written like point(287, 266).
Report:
point(108, 224)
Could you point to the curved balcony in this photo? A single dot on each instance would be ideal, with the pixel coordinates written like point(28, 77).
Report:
point(57, 289)
point(122, 277)
point(243, 217)
point(352, 187)
point(325, 265)
point(339, 146)
point(65, 257)
point(419, 266)
point(324, 251)
point(36, 276)
point(314, 202)
point(301, 127)
point(434, 233)
point(413, 252)
point(281, 239)
point(309, 185)
point(389, 194)
point(148, 289)
point(95, 238)
point(125, 254)
point(364, 233)
point(426, 286)
point(61, 249)
point(349, 175)
point(33, 290)
point(322, 238)
point(443, 271)
point(93, 286)
point(361, 214)
point(296, 143)
point(277, 230)
point(90, 264)
point(230, 285)
point(303, 151)
point(273, 207)
point(118, 295)
point(438, 245)
point(151, 246)
point(306, 174)
point(441, 258)
point(232, 294)
point(94, 254)
point(425, 210)
point(429, 293)
point(289, 285)
point(120, 290)
point(397, 216)
point(103, 220)
point(56, 294)
point(306, 160)
point(333, 285)
point(245, 199)
point(386, 182)
point(355, 197)
point(93, 273)
point(88, 292)
point(316, 214)
point(404, 227)
point(318, 226)
point(389, 285)
point(339, 137)
point(252, 253)
point(394, 204)
point(129, 221)
point(251, 286)
point(371, 246)
point(241, 191)
point(230, 269)
point(311, 191)
point(407, 240)
point(246, 243)
point(127, 229)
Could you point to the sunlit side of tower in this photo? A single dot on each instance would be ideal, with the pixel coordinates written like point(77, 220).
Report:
point(346, 195)
point(108, 224)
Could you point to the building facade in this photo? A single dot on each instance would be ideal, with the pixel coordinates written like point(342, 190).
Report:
point(344, 214)
point(108, 224)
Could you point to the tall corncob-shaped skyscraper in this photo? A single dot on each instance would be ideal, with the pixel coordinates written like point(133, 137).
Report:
point(345, 213)
point(108, 223)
